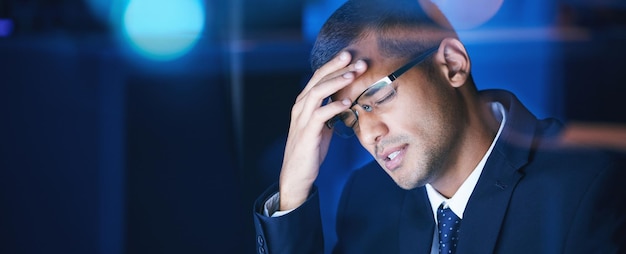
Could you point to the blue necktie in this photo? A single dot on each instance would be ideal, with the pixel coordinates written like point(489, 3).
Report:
point(448, 224)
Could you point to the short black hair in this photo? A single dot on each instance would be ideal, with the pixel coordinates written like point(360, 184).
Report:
point(354, 18)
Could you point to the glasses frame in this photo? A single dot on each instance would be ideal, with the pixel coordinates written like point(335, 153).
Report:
point(382, 82)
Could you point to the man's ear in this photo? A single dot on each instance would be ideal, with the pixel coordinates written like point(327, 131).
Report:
point(454, 61)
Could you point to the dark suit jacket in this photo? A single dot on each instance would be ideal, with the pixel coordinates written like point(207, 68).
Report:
point(533, 196)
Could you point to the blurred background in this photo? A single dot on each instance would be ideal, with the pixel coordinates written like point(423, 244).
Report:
point(150, 126)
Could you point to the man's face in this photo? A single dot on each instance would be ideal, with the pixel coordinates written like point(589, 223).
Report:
point(414, 136)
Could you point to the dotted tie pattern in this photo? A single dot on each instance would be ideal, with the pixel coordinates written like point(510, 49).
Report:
point(448, 224)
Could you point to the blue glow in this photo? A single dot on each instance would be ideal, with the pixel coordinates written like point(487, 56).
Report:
point(163, 29)
point(100, 9)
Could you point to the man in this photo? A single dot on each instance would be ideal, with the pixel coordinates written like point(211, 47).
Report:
point(458, 171)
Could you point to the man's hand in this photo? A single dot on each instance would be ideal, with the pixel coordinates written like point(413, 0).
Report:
point(308, 138)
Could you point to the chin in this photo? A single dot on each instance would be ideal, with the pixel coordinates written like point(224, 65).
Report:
point(408, 184)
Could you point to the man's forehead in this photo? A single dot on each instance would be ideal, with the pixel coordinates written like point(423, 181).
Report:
point(384, 49)
point(365, 48)
point(378, 67)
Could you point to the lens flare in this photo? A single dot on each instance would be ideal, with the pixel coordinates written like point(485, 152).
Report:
point(463, 14)
point(163, 29)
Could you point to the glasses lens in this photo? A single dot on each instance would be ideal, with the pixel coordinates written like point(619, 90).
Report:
point(343, 123)
point(377, 95)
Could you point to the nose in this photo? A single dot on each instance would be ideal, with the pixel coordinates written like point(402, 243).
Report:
point(371, 128)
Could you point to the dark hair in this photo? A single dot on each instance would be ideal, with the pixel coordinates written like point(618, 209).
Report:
point(355, 18)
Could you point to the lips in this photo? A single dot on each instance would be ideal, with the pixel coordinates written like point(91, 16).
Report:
point(393, 157)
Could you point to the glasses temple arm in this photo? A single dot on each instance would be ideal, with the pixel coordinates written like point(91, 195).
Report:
point(393, 76)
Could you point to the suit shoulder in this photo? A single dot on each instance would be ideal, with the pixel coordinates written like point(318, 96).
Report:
point(372, 177)
point(578, 158)
point(369, 185)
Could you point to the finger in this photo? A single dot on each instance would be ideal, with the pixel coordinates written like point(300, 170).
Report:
point(329, 85)
point(323, 114)
point(357, 67)
point(338, 62)
point(313, 99)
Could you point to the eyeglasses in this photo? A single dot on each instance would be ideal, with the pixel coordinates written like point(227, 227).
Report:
point(376, 95)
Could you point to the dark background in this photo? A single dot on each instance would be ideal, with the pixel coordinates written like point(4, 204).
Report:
point(103, 151)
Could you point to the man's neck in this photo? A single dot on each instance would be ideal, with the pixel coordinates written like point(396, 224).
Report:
point(475, 141)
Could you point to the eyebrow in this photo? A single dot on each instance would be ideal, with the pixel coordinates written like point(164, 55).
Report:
point(372, 90)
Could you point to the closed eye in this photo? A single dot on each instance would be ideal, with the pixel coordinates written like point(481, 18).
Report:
point(386, 98)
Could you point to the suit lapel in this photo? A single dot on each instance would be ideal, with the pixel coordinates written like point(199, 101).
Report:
point(417, 223)
point(487, 207)
point(488, 204)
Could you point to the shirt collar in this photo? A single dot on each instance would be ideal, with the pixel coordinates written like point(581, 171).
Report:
point(458, 201)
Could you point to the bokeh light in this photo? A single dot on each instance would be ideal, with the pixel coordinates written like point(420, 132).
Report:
point(6, 27)
point(463, 14)
point(100, 9)
point(163, 29)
